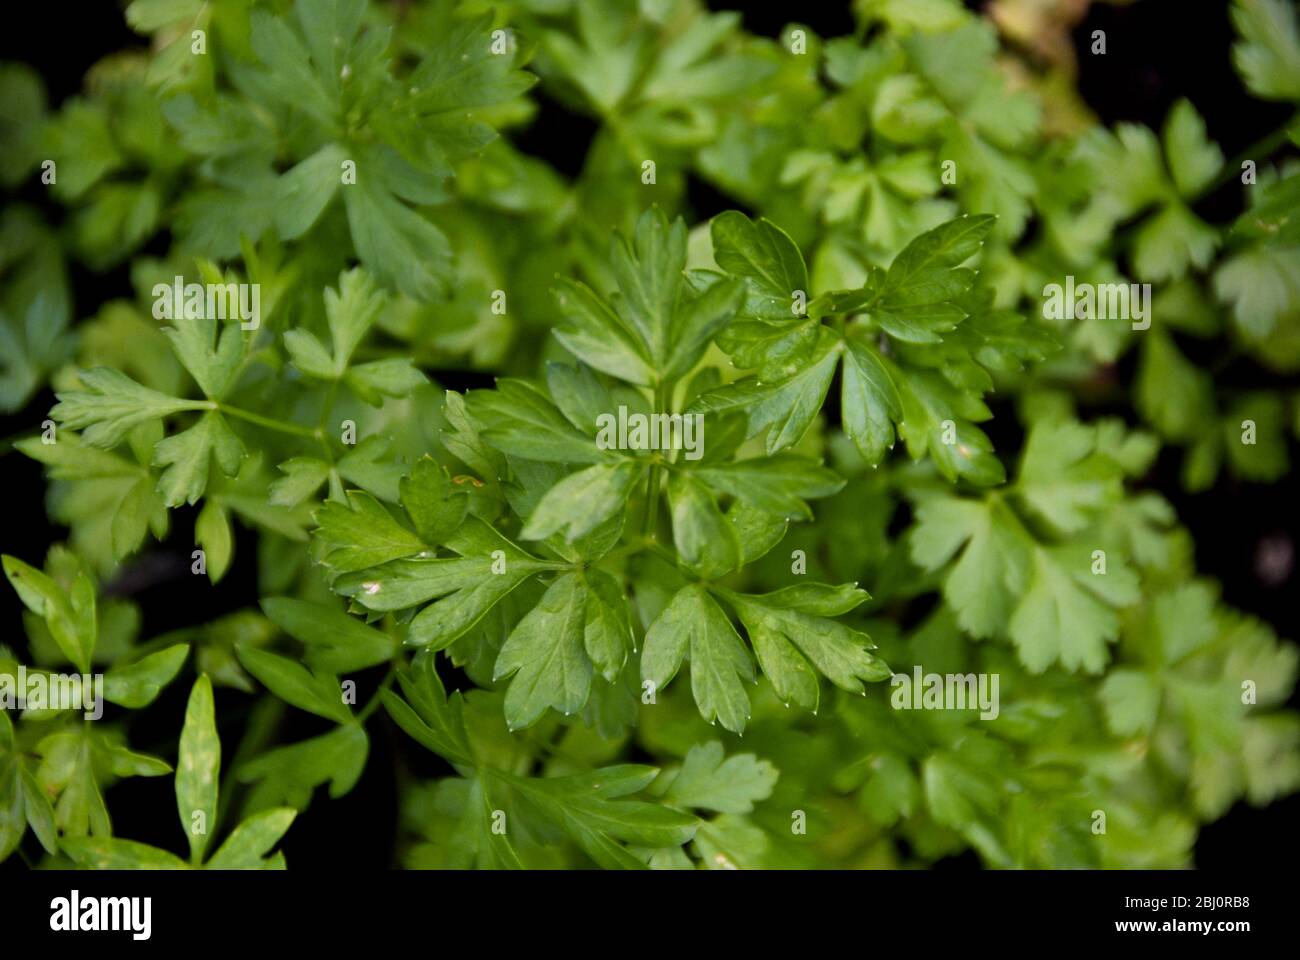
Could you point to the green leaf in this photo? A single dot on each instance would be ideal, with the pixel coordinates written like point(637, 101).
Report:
point(350, 310)
point(464, 588)
point(36, 806)
point(1172, 242)
point(140, 511)
point(396, 244)
point(1131, 700)
point(213, 369)
point(329, 26)
point(305, 191)
point(23, 96)
point(186, 456)
point(707, 781)
point(249, 843)
point(467, 814)
point(789, 627)
point(67, 771)
point(869, 402)
point(768, 260)
point(520, 420)
point(137, 684)
point(987, 581)
point(1265, 460)
point(1262, 284)
point(1274, 217)
point(1172, 394)
point(1067, 614)
point(212, 532)
point(689, 68)
point(362, 534)
point(303, 476)
point(370, 467)
point(69, 616)
point(1268, 52)
point(588, 808)
point(532, 483)
point(731, 842)
point(295, 82)
point(197, 768)
point(578, 394)
point(309, 355)
point(435, 505)
point(31, 350)
point(111, 853)
point(695, 323)
point(13, 820)
point(82, 144)
point(918, 324)
point(335, 642)
point(1064, 480)
point(545, 656)
point(777, 485)
point(1194, 159)
point(1182, 622)
point(705, 541)
point(693, 624)
point(921, 273)
point(111, 405)
point(935, 420)
point(784, 409)
point(775, 351)
point(958, 794)
point(429, 714)
point(595, 334)
point(583, 500)
point(125, 763)
point(390, 377)
point(954, 58)
point(607, 635)
point(288, 775)
point(655, 330)
point(295, 684)
point(464, 442)
point(462, 71)
point(996, 180)
point(606, 64)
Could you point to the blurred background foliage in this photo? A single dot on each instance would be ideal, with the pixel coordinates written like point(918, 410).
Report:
point(1119, 166)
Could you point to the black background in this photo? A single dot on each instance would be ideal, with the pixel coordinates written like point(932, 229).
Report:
point(1157, 52)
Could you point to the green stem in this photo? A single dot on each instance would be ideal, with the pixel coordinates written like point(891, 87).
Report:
point(330, 394)
point(662, 552)
point(1260, 150)
point(375, 700)
point(282, 426)
point(631, 548)
point(649, 529)
point(330, 397)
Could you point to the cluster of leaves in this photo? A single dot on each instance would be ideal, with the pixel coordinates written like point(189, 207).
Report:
point(355, 161)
